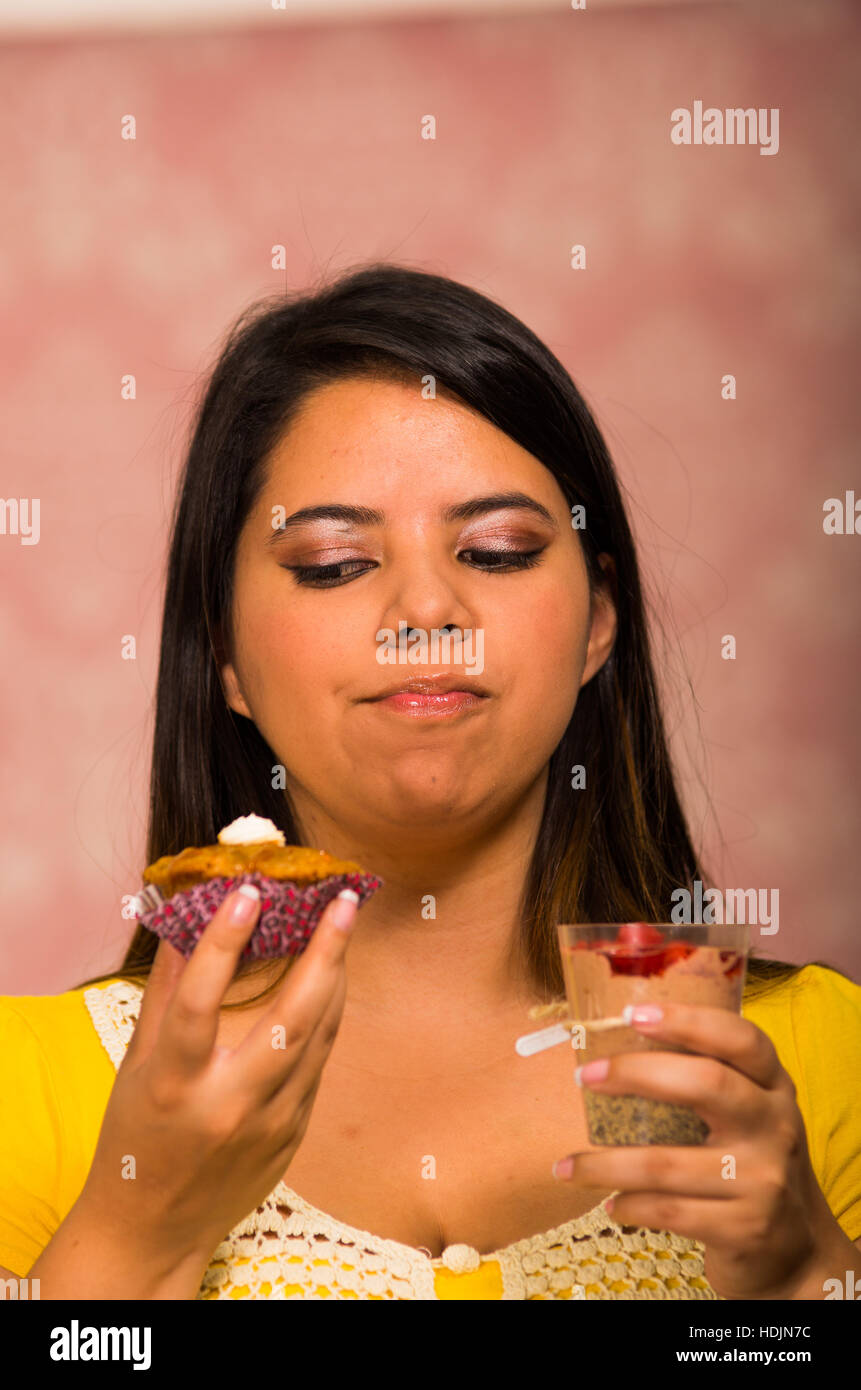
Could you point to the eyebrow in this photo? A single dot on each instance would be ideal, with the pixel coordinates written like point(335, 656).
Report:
point(461, 511)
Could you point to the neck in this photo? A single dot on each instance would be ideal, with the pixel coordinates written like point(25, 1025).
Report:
point(441, 938)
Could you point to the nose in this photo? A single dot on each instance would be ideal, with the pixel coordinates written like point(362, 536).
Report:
point(424, 595)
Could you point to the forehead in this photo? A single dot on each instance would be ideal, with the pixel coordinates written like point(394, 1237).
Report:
point(381, 432)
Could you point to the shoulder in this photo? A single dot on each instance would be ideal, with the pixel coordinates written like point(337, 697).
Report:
point(49, 1042)
point(816, 998)
point(808, 994)
point(814, 1022)
point(56, 1071)
point(55, 1080)
point(49, 1018)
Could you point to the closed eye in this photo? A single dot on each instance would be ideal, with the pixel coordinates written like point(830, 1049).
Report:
point(331, 576)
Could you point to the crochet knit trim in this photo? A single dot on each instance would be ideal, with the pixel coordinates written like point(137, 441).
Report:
point(288, 1248)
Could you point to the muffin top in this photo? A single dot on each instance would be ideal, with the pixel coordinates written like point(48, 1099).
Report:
point(251, 844)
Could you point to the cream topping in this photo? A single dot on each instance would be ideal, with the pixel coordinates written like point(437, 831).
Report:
point(250, 830)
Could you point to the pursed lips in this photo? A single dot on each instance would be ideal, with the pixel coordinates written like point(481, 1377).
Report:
point(425, 699)
point(451, 686)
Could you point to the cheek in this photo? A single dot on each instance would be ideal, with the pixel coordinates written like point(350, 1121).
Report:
point(281, 658)
point(547, 664)
point(560, 641)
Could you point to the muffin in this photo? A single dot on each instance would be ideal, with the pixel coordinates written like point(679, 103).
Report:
point(182, 892)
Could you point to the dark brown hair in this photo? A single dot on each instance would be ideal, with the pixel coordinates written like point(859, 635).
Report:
point(611, 851)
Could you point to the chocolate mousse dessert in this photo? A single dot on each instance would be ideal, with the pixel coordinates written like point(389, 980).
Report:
point(644, 965)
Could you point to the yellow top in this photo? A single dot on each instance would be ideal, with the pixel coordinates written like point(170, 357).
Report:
point(58, 1056)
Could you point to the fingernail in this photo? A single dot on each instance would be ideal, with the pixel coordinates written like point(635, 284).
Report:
point(244, 903)
point(563, 1168)
point(592, 1071)
point(642, 1013)
point(344, 909)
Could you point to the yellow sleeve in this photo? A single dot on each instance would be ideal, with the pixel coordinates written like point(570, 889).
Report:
point(31, 1144)
point(815, 1025)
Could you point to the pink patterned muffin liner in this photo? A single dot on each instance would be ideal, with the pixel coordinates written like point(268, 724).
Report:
point(289, 912)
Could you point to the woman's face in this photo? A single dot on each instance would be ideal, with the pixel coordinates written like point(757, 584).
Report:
point(305, 664)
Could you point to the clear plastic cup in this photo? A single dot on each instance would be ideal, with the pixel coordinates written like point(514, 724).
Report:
point(609, 965)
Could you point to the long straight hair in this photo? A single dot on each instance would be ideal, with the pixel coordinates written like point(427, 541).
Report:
point(613, 850)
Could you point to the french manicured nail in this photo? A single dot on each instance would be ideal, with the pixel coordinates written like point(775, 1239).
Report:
point(344, 909)
point(563, 1168)
point(642, 1013)
point(244, 904)
point(592, 1071)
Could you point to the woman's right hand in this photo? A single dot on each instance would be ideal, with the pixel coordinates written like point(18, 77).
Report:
point(211, 1129)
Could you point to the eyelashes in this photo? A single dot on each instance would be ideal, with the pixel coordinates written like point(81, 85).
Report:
point(331, 576)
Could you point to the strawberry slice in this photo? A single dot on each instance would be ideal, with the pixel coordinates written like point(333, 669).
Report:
point(638, 950)
point(640, 934)
point(646, 961)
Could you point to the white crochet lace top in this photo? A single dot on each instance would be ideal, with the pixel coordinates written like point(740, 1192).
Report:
point(287, 1248)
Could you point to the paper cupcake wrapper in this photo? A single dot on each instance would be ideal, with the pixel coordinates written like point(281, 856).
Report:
point(289, 912)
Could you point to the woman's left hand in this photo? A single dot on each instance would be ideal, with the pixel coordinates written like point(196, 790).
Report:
point(749, 1193)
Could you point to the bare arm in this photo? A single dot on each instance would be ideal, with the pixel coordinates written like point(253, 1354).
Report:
point(85, 1261)
point(211, 1129)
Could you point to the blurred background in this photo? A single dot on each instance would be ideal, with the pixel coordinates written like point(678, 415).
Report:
point(258, 126)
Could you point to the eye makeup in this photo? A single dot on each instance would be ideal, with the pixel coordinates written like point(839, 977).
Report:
point(329, 576)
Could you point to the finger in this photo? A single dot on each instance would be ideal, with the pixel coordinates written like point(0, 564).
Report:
point(168, 965)
point(190, 1021)
point(690, 1171)
point(719, 1033)
point(293, 1094)
point(306, 995)
point(696, 1218)
point(726, 1100)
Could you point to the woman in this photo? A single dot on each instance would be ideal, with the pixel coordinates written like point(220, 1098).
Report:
point(396, 452)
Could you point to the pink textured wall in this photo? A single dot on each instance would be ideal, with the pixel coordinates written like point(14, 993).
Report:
point(133, 256)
